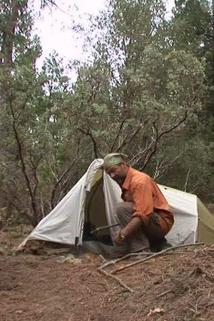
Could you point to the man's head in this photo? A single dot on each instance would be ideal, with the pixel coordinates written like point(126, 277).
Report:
point(115, 165)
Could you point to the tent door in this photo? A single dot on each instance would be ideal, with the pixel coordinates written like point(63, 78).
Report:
point(95, 215)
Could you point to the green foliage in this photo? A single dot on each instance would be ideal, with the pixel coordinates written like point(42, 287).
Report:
point(191, 25)
point(192, 30)
point(143, 92)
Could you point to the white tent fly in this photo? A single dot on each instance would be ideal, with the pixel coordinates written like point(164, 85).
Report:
point(94, 198)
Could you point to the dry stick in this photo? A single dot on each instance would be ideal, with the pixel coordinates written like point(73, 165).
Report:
point(154, 255)
point(117, 279)
point(122, 258)
point(164, 293)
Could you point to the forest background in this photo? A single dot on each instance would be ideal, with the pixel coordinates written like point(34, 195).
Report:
point(147, 90)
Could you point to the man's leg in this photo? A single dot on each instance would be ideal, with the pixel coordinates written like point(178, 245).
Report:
point(156, 229)
point(139, 240)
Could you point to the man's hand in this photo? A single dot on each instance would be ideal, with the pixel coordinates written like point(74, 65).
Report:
point(128, 230)
point(119, 240)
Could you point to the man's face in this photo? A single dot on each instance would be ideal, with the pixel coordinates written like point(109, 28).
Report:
point(117, 173)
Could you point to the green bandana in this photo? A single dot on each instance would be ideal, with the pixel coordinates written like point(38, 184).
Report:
point(113, 159)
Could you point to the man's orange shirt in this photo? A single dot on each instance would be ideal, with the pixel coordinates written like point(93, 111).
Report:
point(146, 196)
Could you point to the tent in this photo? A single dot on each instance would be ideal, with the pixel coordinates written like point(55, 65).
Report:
point(92, 201)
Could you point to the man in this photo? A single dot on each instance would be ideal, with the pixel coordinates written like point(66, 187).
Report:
point(144, 216)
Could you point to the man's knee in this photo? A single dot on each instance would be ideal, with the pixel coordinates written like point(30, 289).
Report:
point(124, 209)
point(156, 228)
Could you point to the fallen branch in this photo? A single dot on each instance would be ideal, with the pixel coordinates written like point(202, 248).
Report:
point(117, 279)
point(123, 258)
point(154, 255)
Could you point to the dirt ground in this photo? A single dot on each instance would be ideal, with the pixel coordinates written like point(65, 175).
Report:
point(53, 285)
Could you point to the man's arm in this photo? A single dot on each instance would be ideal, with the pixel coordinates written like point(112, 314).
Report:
point(128, 230)
point(131, 227)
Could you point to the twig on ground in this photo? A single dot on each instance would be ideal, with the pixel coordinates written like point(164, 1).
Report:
point(102, 258)
point(123, 258)
point(164, 293)
point(117, 279)
point(154, 255)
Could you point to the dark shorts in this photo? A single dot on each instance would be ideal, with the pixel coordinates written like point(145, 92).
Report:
point(155, 226)
point(155, 229)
